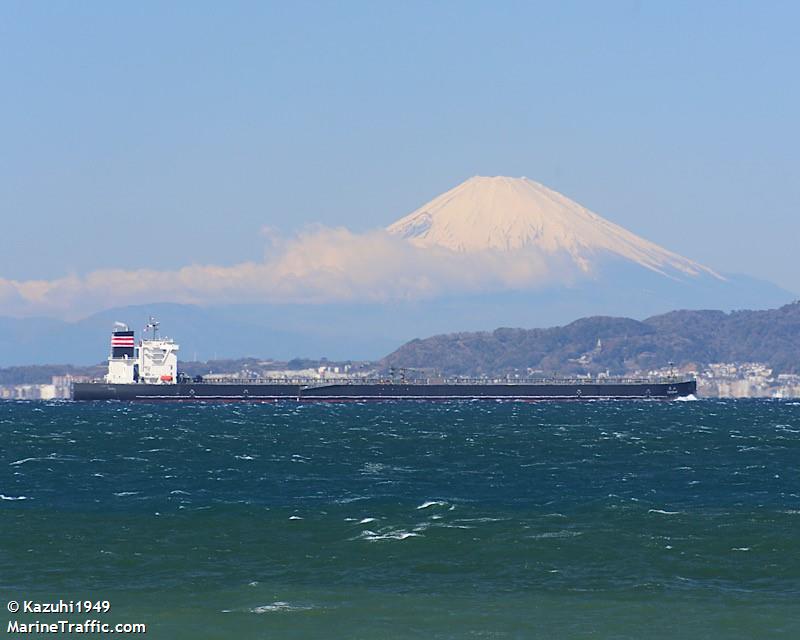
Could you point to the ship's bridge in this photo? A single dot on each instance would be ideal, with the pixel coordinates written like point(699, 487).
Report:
point(158, 361)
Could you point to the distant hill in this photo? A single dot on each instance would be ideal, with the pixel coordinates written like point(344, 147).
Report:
point(208, 333)
point(620, 345)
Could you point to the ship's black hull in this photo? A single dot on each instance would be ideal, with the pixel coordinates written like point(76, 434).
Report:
point(266, 392)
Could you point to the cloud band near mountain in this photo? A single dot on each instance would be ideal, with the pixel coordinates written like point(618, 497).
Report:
point(320, 265)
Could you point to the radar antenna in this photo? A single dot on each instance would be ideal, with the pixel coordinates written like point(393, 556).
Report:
point(152, 325)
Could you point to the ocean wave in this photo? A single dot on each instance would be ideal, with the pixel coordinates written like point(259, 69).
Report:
point(16, 463)
point(351, 499)
point(488, 519)
point(398, 534)
point(556, 534)
point(52, 456)
point(433, 503)
point(279, 607)
point(273, 607)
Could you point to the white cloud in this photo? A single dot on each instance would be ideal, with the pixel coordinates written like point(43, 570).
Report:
point(319, 265)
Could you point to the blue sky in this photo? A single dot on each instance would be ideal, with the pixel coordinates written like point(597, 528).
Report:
point(164, 134)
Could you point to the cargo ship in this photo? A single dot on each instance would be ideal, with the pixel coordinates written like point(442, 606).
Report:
point(148, 371)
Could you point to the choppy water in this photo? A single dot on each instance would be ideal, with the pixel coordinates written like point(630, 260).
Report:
point(405, 520)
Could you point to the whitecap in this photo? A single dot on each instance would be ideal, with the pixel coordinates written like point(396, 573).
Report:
point(372, 468)
point(556, 534)
point(367, 520)
point(122, 494)
point(398, 535)
point(432, 503)
point(487, 519)
point(661, 511)
point(295, 518)
point(23, 461)
point(275, 607)
point(351, 499)
point(389, 535)
point(278, 606)
point(740, 549)
point(5, 497)
point(690, 398)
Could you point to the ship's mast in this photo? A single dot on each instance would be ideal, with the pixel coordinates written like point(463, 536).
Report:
point(153, 326)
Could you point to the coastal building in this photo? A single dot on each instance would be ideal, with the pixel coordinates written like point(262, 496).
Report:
point(59, 388)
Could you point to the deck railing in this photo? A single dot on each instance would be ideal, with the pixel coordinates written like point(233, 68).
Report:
point(304, 381)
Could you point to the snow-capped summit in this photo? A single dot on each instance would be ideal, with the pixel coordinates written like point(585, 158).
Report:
point(509, 214)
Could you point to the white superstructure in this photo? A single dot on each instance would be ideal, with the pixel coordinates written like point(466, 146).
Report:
point(153, 361)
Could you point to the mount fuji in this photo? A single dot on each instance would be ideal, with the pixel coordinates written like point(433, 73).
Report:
point(610, 270)
point(516, 214)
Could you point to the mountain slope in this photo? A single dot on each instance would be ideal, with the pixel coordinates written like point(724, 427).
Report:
point(513, 214)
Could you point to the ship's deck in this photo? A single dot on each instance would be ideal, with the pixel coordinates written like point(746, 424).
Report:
point(306, 381)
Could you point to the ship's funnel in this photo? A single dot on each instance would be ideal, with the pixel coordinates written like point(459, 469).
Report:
point(122, 343)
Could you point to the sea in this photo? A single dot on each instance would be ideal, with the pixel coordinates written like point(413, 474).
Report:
point(405, 520)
